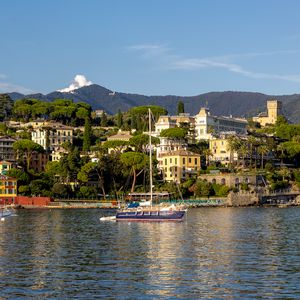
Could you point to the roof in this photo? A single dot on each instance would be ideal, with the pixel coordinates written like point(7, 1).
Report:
point(180, 153)
point(122, 135)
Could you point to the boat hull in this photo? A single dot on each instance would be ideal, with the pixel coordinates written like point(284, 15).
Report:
point(175, 215)
point(5, 213)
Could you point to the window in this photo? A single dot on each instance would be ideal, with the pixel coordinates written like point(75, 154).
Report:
point(176, 161)
point(183, 160)
point(170, 160)
point(190, 160)
point(196, 161)
point(166, 162)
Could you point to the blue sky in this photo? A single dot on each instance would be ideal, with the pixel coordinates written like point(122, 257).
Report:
point(152, 47)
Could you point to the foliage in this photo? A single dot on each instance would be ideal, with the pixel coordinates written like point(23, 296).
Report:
point(174, 133)
point(203, 188)
point(60, 190)
point(87, 192)
point(26, 148)
point(87, 135)
point(135, 161)
point(141, 141)
point(6, 104)
point(180, 107)
point(61, 110)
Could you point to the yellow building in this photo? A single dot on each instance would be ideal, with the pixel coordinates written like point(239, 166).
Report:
point(179, 165)
point(274, 108)
point(220, 152)
point(8, 189)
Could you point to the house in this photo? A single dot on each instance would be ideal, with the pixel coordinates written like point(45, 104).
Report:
point(179, 165)
point(220, 152)
point(124, 136)
point(7, 152)
point(52, 136)
point(8, 190)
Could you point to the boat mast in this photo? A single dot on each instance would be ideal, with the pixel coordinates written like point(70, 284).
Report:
point(150, 159)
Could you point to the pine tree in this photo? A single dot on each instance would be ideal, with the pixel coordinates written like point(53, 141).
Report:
point(103, 119)
point(6, 104)
point(119, 119)
point(180, 107)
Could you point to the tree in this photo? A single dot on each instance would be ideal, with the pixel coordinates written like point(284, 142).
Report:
point(174, 133)
point(233, 144)
point(26, 148)
point(119, 119)
point(116, 145)
point(103, 119)
point(141, 141)
point(203, 188)
point(6, 104)
point(262, 150)
point(136, 162)
point(87, 135)
point(180, 107)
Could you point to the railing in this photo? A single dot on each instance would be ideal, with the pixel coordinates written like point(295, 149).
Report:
point(197, 202)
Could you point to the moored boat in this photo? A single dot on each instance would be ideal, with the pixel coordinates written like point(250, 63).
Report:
point(149, 212)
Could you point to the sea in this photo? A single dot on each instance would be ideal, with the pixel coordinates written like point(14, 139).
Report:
point(215, 253)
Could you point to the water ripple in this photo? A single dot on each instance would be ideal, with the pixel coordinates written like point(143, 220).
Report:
point(217, 253)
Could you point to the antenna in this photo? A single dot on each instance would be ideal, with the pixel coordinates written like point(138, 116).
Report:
point(150, 156)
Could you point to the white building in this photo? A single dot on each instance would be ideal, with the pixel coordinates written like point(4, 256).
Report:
point(54, 135)
point(203, 124)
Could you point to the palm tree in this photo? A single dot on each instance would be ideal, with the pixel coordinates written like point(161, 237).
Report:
point(243, 150)
point(262, 150)
point(253, 144)
point(232, 146)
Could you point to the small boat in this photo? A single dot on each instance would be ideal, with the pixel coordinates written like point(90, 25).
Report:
point(108, 218)
point(5, 212)
point(148, 212)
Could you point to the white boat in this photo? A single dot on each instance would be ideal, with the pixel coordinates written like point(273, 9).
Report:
point(5, 212)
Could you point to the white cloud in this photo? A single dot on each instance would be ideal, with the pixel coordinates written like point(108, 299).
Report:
point(221, 62)
point(78, 82)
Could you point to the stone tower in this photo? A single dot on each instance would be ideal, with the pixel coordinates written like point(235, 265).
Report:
point(274, 110)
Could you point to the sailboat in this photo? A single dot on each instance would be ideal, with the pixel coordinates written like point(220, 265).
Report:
point(151, 213)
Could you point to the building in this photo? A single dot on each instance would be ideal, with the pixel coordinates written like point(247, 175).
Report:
point(207, 125)
point(231, 180)
point(7, 152)
point(203, 125)
point(52, 136)
point(167, 145)
point(8, 190)
point(123, 136)
point(219, 150)
point(5, 166)
point(38, 161)
point(180, 165)
point(274, 109)
point(166, 122)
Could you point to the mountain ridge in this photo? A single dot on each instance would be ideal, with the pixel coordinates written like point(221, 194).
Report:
point(235, 103)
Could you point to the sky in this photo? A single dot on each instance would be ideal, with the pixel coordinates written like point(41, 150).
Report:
point(150, 47)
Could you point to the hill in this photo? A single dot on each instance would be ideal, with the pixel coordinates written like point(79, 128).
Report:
point(220, 103)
